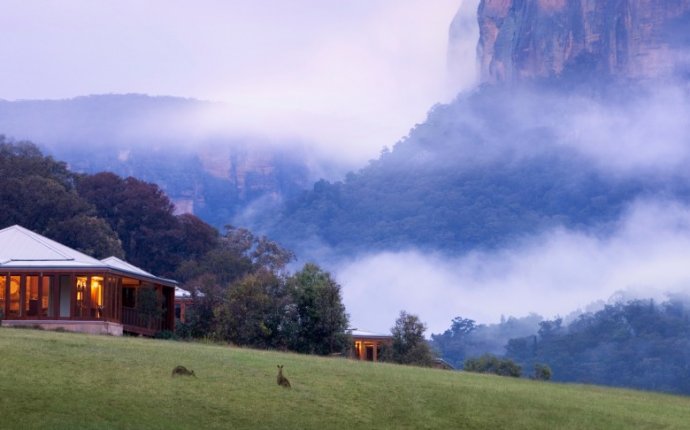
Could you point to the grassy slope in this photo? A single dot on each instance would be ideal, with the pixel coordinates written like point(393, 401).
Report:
point(71, 381)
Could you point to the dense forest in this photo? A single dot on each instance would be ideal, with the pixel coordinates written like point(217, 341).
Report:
point(495, 165)
point(637, 344)
point(242, 290)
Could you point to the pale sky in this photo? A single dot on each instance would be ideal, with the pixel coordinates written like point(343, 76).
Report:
point(354, 74)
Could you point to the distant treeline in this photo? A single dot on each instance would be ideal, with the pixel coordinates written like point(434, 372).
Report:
point(638, 344)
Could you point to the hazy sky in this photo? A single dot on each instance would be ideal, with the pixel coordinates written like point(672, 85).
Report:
point(356, 74)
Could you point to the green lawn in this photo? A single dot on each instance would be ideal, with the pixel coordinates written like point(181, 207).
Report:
point(70, 381)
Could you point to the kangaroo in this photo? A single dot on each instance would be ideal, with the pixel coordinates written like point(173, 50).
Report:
point(282, 380)
point(182, 371)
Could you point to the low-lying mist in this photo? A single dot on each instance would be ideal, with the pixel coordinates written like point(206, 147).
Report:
point(619, 128)
point(645, 255)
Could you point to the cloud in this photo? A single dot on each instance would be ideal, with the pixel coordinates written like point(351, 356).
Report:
point(639, 129)
point(463, 68)
point(347, 77)
point(553, 274)
point(646, 132)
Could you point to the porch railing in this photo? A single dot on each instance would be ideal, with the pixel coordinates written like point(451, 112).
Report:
point(132, 317)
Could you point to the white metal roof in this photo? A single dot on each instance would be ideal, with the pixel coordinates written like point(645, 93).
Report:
point(183, 294)
point(116, 263)
point(367, 334)
point(22, 248)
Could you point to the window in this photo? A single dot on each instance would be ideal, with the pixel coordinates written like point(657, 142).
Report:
point(31, 296)
point(81, 311)
point(47, 308)
point(14, 296)
point(3, 287)
point(96, 296)
point(65, 294)
point(129, 297)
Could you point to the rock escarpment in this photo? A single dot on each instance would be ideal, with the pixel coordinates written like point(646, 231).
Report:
point(635, 39)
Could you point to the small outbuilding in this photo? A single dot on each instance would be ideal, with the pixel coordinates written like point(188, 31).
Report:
point(49, 285)
point(183, 301)
point(367, 345)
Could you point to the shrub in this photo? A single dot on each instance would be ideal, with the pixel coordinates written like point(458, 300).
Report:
point(488, 363)
point(542, 372)
point(165, 334)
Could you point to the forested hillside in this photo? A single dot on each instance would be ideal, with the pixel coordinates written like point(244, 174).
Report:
point(639, 344)
point(493, 166)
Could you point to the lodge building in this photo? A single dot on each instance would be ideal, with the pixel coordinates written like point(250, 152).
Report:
point(49, 285)
point(367, 345)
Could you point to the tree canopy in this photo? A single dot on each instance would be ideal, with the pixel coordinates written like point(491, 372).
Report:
point(39, 193)
point(409, 345)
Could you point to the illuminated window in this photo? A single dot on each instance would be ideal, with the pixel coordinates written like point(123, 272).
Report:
point(47, 308)
point(3, 287)
point(97, 296)
point(81, 288)
point(81, 310)
point(31, 297)
point(14, 296)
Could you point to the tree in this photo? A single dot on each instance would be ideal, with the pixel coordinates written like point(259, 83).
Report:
point(149, 304)
point(251, 313)
point(39, 193)
point(316, 315)
point(200, 318)
point(142, 215)
point(88, 234)
point(452, 344)
point(409, 345)
point(22, 159)
point(197, 237)
point(261, 252)
point(550, 329)
point(242, 288)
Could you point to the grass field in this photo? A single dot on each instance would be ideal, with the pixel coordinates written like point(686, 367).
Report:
point(54, 380)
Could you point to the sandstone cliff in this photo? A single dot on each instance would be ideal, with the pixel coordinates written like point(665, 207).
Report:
point(525, 39)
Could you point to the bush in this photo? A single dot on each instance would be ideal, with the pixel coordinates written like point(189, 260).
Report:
point(165, 334)
point(488, 363)
point(542, 372)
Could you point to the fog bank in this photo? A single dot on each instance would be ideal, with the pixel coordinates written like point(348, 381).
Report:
point(555, 273)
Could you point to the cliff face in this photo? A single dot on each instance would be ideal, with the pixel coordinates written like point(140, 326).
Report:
point(525, 39)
